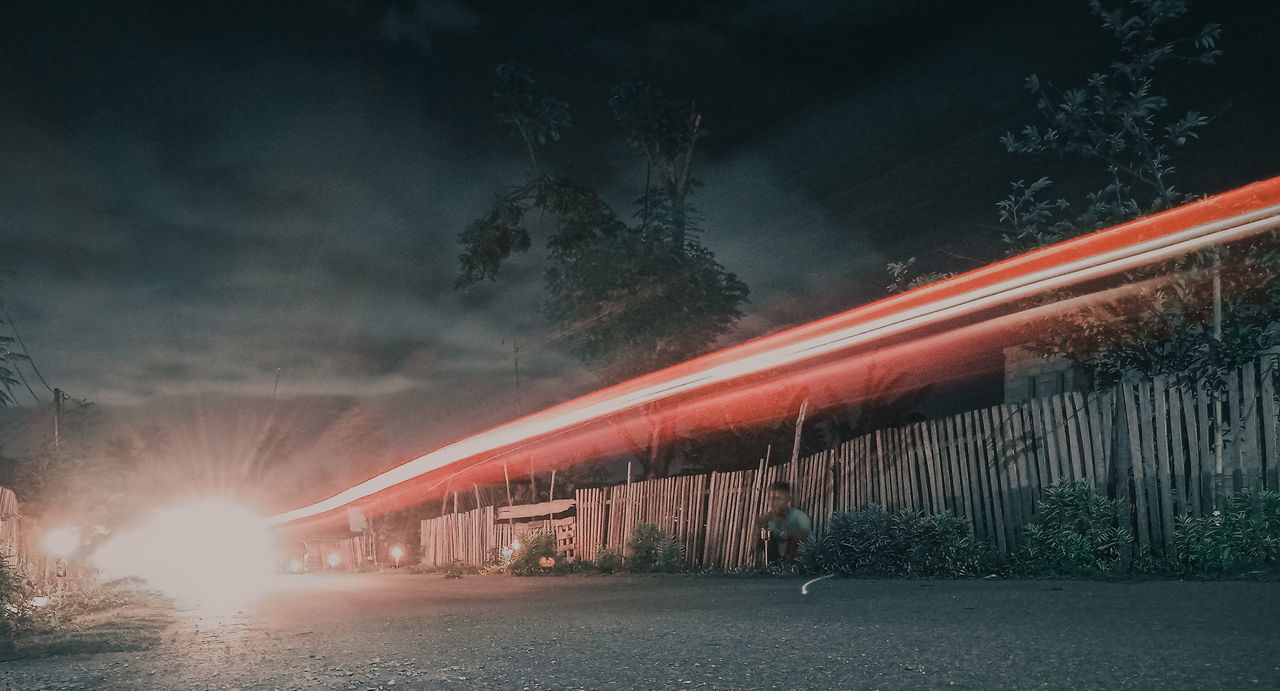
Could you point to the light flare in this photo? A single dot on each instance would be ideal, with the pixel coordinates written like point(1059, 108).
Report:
point(214, 555)
point(62, 542)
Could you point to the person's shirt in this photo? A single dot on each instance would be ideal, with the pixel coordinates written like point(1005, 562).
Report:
point(797, 522)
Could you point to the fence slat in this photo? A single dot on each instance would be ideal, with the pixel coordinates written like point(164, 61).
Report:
point(1177, 456)
point(1025, 462)
point(991, 473)
point(1047, 448)
point(1135, 461)
point(1074, 421)
point(1234, 460)
point(1195, 449)
point(1162, 464)
point(1251, 464)
point(1270, 423)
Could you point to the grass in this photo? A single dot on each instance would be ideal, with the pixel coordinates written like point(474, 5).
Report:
point(98, 618)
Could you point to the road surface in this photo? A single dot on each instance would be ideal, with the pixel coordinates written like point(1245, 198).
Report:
point(382, 631)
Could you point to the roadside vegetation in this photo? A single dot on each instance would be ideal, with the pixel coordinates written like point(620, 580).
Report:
point(86, 616)
point(1077, 534)
point(872, 542)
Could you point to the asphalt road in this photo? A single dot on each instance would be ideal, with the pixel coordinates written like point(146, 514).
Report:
point(406, 631)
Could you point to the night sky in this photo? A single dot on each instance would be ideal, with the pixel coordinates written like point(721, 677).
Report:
point(194, 194)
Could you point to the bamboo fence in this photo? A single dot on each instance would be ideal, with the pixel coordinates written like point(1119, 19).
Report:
point(20, 549)
point(476, 536)
point(1161, 447)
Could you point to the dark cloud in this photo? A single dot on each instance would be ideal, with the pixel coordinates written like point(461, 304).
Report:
point(416, 23)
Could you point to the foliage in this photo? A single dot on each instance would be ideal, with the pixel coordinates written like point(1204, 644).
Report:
point(537, 120)
point(19, 616)
point(1118, 123)
point(1243, 536)
point(626, 298)
point(1077, 533)
point(1163, 322)
point(1124, 132)
point(874, 542)
point(608, 560)
point(905, 276)
point(653, 550)
point(8, 368)
point(77, 477)
point(534, 546)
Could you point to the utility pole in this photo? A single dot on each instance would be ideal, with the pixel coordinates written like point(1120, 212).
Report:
point(57, 416)
point(1217, 395)
point(276, 386)
point(515, 359)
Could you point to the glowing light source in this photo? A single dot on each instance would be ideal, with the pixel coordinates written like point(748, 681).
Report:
point(215, 555)
point(62, 542)
point(397, 553)
point(333, 560)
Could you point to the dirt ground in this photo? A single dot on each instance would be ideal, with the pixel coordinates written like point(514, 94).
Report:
point(410, 631)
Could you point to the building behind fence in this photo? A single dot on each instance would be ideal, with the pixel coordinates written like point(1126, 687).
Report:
point(1164, 448)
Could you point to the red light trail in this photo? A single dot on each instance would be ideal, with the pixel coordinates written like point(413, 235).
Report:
point(814, 352)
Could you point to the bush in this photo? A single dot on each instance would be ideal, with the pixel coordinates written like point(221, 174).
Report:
point(608, 560)
point(534, 547)
point(937, 545)
point(19, 616)
point(1077, 533)
point(874, 542)
point(1244, 536)
point(856, 543)
point(654, 550)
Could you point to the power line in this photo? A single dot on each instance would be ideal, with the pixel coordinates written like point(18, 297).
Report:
point(23, 377)
point(18, 336)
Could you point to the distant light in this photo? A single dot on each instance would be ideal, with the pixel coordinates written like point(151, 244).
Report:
point(216, 555)
point(397, 553)
point(62, 542)
point(333, 561)
point(295, 566)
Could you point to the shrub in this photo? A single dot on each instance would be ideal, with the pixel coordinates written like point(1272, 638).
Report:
point(534, 546)
point(1243, 536)
point(18, 614)
point(653, 550)
point(608, 560)
point(874, 542)
point(1077, 533)
point(936, 546)
point(856, 543)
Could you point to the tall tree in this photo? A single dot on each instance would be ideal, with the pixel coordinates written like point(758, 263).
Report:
point(1119, 124)
point(626, 298)
point(1123, 128)
point(1120, 133)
